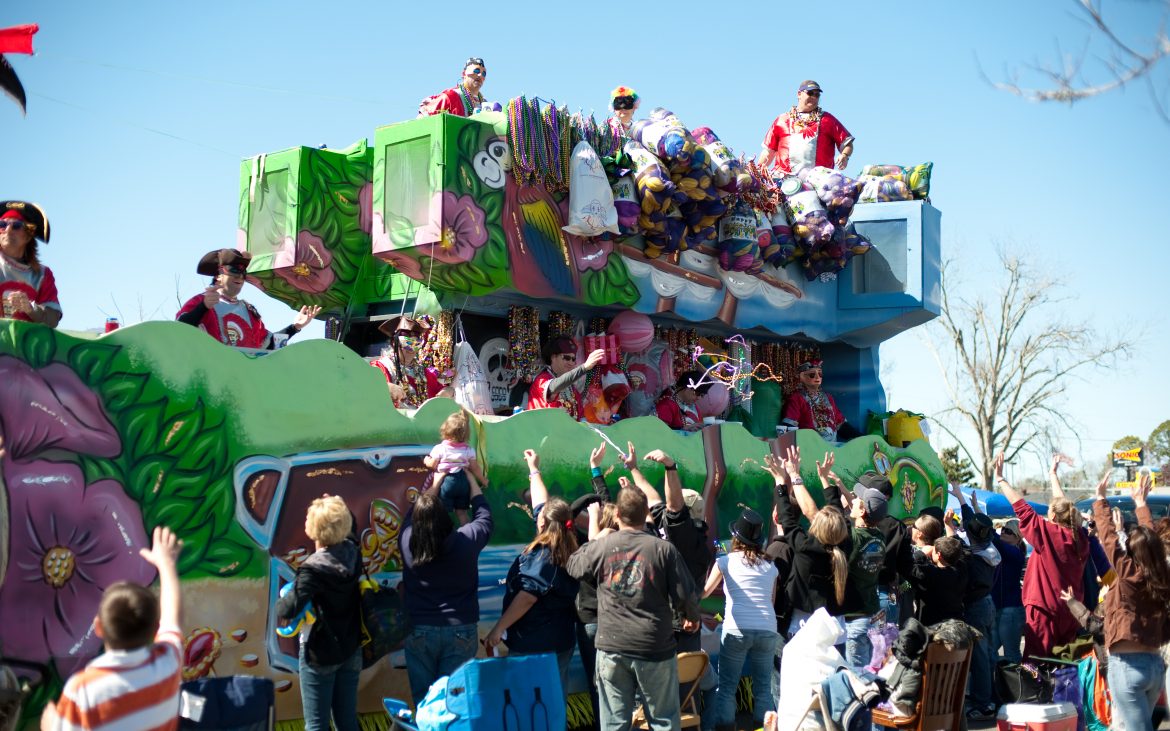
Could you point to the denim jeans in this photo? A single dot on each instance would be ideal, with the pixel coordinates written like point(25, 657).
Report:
point(330, 690)
point(980, 614)
point(1135, 680)
point(619, 677)
point(435, 652)
point(858, 648)
point(1009, 633)
point(755, 648)
point(586, 636)
point(888, 600)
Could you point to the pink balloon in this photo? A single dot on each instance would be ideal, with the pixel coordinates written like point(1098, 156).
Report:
point(634, 331)
point(714, 402)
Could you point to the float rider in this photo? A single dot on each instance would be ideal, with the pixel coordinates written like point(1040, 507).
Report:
point(463, 99)
point(806, 136)
point(553, 388)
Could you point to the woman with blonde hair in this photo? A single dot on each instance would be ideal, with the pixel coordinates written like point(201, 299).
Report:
point(749, 618)
point(820, 554)
point(539, 612)
point(1060, 548)
point(330, 647)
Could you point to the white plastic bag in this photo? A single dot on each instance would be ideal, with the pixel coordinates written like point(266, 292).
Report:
point(471, 385)
point(809, 657)
point(591, 208)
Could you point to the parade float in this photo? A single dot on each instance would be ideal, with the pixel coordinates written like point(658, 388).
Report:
point(461, 219)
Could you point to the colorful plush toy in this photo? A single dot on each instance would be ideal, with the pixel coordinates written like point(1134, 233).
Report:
point(302, 620)
point(729, 173)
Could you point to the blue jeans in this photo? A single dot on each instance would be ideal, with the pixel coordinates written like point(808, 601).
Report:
point(757, 649)
point(619, 677)
point(330, 690)
point(1009, 633)
point(586, 635)
point(1135, 680)
point(858, 648)
point(980, 614)
point(435, 652)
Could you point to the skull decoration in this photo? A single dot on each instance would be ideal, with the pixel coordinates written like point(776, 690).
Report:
point(495, 356)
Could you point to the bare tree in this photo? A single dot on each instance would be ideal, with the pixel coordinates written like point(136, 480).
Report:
point(1007, 359)
point(1126, 62)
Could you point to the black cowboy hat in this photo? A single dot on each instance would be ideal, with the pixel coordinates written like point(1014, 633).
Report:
point(748, 528)
point(403, 325)
point(30, 213)
point(235, 262)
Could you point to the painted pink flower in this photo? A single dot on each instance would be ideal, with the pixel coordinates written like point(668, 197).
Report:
point(51, 408)
point(310, 270)
point(404, 263)
point(365, 207)
point(590, 253)
point(66, 545)
point(463, 230)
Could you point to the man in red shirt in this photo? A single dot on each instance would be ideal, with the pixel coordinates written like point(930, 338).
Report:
point(553, 387)
point(459, 100)
point(806, 135)
point(221, 313)
point(676, 406)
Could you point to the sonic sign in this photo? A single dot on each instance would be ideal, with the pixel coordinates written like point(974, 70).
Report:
point(1128, 457)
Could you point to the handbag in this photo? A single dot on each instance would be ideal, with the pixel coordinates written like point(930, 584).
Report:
point(1023, 682)
point(385, 621)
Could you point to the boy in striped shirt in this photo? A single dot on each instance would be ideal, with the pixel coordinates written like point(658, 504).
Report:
point(134, 685)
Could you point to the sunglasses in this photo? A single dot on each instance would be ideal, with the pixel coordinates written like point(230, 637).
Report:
point(623, 102)
point(478, 72)
point(571, 357)
point(812, 373)
point(814, 92)
point(16, 225)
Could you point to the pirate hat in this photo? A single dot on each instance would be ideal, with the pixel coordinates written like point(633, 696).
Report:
point(231, 260)
point(30, 213)
point(403, 325)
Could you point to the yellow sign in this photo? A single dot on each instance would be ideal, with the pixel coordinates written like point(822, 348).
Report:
point(1127, 457)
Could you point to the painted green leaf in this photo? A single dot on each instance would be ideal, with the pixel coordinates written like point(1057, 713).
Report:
point(123, 390)
point(37, 343)
point(178, 431)
point(207, 452)
point(99, 468)
point(92, 361)
point(226, 557)
point(140, 428)
point(195, 542)
point(147, 478)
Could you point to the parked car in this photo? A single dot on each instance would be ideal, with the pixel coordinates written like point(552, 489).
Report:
point(1159, 506)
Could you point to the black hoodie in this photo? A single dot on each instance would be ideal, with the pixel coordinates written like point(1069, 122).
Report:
point(329, 579)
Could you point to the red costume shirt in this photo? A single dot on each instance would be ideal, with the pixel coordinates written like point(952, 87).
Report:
point(453, 101)
point(803, 141)
point(419, 383)
point(676, 415)
point(39, 287)
point(812, 411)
point(231, 323)
point(538, 398)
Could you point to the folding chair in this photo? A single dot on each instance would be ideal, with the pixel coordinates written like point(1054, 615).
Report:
point(944, 684)
point(691, 667)
point(232, 703)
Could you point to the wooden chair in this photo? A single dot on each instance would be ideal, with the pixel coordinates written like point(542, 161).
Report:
point(691, 667)
point(944, 685)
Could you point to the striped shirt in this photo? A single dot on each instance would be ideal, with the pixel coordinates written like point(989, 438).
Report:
point(124, 690)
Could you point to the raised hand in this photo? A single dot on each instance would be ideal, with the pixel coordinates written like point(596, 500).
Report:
point(533, 460)
point(211, 296)
point(1142, 489)
point(596, 456)
point(595, 358)
point(825, 468)
point(773, 467)
point(660, 457)
point(305, 316)
point(998, 466)
point(630, 458)
point(1103, 484)
point(164, 550)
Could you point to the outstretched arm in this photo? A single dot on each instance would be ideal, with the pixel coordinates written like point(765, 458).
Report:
point(804, 499)
point(1008, 491)
point(538, 493)
point(674, 496)
point(1054, 480)
point(163, 555)
point(630, 460)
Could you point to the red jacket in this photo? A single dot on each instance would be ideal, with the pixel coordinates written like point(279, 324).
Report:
point(1057, 561)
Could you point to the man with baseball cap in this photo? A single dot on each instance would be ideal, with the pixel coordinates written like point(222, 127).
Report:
point(806, 135)
point(221, 313)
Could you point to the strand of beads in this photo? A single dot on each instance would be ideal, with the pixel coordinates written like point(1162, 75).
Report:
point(560, 325)
point(524, 340)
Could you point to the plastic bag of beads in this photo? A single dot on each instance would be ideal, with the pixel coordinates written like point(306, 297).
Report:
point(782, 249)
point(655, 188)
point(727, 170)
point(806, 214)
point(625, 201)
point(738, 246)
point(837, 191)
point(883, 190)
point(884, 171)
point(591, 205)
point(666, 136)
point(669, 240)
point(918, 178)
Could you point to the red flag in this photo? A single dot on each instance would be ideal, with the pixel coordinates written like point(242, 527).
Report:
point(18, 39)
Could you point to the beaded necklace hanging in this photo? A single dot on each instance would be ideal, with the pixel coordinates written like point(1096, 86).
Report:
point(524, 340)
point(799, 120)
point(468, 102)
point(560, 325)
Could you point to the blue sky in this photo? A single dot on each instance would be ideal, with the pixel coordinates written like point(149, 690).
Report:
point(139, 114)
